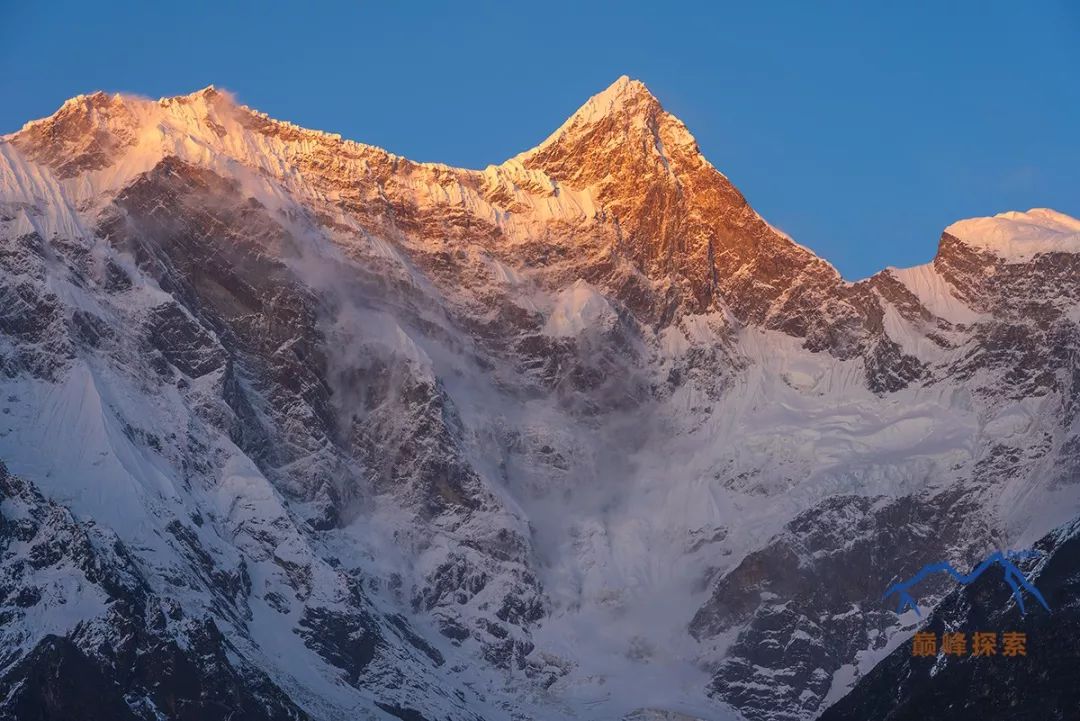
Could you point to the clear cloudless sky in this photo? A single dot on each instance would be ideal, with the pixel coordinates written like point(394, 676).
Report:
point(862, 129)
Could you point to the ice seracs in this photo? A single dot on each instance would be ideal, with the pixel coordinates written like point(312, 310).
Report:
point(1017, 236)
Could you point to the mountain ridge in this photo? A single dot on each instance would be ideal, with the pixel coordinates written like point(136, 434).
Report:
point(612, 100)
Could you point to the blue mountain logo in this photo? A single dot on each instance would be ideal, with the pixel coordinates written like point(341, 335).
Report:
point(1013, 576)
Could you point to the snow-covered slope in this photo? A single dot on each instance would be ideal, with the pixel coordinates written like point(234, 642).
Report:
point(575, 436)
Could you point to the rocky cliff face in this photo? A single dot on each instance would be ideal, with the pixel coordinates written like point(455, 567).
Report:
point(575, 436)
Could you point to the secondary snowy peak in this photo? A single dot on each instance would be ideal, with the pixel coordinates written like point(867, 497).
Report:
point(95, 145)
point(101, 112)
point(1017, 236)
point(85, 134)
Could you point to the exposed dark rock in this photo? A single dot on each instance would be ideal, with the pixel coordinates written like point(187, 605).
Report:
point(1042, 684)
point(183, 342)
point(346, 640)
point(801, 601)
point(57, 682)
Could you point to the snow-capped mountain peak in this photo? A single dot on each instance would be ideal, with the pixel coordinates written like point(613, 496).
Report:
point(624, 125)
point(1017, 236)
point(626, 100)
point(623, 95)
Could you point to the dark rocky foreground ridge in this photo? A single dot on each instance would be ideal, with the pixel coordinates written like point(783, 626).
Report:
point(298, 428)
point(1039, 685)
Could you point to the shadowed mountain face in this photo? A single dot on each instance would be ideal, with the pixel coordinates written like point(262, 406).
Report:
point(1040, 684)
point(575, 436)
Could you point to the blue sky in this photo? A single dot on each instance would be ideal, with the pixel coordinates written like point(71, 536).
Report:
point(861, 131)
